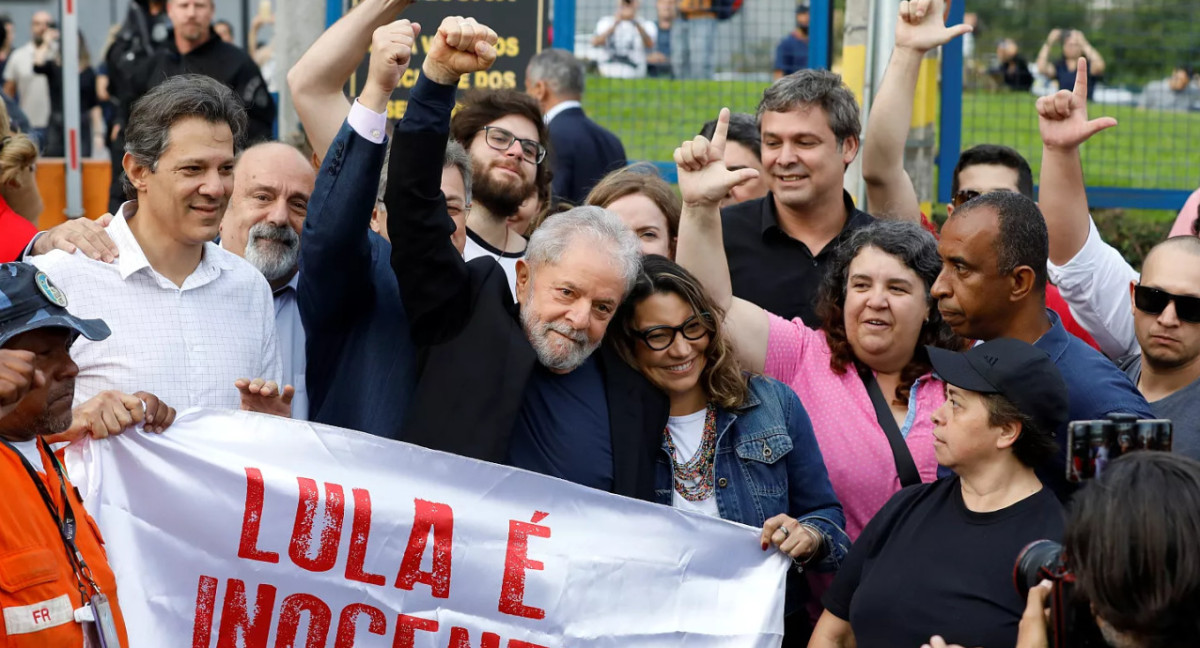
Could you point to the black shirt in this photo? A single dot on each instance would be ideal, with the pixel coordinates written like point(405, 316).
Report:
point(562, 429)
point(774, 270)
point(226, 63)
point(927, 565)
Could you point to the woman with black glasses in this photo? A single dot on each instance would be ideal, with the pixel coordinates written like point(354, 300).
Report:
point(737, 447)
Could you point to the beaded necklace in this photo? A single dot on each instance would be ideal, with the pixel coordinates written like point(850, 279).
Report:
point(698, 469)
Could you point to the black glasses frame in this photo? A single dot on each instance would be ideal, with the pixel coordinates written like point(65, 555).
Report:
point(703, 319)
point(510, 138)
point(1154, 301)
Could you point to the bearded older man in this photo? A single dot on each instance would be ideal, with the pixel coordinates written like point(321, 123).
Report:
point(518, 384)
point(272, 183)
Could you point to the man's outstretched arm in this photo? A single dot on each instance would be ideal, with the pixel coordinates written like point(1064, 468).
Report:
point(316, 80)
point(919, 28)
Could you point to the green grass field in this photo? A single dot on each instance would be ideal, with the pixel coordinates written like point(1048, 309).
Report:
point(1150, 150)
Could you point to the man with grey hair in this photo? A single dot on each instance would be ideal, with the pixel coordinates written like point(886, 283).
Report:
point(272, 183)
point(780, 245)
point(190, 320)
point(583, 151)
point(361, 358)
point(520, 384)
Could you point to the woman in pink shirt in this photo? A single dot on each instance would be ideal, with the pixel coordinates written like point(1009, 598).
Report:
point(877, 316)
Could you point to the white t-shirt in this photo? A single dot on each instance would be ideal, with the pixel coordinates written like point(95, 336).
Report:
point(30, 450)
point(477, 247)
point(686, 433)
point(624, 51)
point(33, 89)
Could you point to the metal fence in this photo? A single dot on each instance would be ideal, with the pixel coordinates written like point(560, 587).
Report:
point(1150, 161)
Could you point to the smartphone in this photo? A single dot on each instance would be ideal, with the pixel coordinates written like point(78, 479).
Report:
point(1092, 445)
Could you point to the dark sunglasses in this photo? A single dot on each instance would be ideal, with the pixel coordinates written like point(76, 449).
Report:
point(963, 196)
point(660, 338)
point(1154, 301)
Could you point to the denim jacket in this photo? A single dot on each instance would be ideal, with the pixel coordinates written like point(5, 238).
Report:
point(767, 462)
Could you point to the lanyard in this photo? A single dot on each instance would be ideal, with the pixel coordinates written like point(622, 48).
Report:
point(66, 521)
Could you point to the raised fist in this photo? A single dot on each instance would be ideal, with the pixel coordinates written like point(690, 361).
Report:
point(461, 46)
point(391, 52)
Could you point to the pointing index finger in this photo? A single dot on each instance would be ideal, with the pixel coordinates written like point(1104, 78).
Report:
point(1081, 79)
point(720, 134)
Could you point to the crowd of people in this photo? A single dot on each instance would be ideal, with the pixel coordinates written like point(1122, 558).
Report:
point(886, 401)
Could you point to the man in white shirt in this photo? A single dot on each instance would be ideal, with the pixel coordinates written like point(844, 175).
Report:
point(1149, 323)
point(272, 183)
point(32, 90)
point(625, 39)
point(189, 320)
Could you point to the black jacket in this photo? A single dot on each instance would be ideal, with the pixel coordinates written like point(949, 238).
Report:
point(583, 152)
point(225, 63)
point(474, 359)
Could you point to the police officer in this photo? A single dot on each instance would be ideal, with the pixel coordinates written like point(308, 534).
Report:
point(56, 588)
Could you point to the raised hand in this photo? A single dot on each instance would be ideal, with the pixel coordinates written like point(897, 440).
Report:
point(921, 26)
point(1053, 36)
point(704, 180)
point(460, 46)
point(1062, 116)
point(264, 396)
point(391, 52)
point(18, 375)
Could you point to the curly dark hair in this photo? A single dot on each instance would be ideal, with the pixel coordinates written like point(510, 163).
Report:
point(722, 377)
point(916, 248)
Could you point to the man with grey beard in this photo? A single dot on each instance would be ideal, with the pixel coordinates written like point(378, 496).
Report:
point(272, 183)
point(527, 384)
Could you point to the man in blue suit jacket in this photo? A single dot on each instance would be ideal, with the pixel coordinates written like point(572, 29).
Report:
point(361, 359)
point(583, 151)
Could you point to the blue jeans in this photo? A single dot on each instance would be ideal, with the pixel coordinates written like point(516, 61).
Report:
point(694, 48)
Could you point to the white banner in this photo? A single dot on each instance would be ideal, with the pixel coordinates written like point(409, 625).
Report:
point(236, 529)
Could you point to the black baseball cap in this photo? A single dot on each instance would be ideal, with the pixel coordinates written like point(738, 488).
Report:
point(1018, 371)
point(29, 301)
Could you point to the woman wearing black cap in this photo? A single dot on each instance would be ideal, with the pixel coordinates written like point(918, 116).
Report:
point(942, 553)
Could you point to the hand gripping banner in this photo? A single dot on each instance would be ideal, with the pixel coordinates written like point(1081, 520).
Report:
point(243, 530)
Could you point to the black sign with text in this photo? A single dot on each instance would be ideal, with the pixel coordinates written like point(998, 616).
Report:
point(520, 25)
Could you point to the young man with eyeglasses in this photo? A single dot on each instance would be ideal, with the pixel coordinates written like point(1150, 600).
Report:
point(980, 169)
point(505, 135)
point(1156, 333)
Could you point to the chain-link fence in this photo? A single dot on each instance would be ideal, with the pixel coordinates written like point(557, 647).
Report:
point(1141, 54)
point(656, 80)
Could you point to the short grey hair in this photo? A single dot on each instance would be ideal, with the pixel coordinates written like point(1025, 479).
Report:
point(179, 97)
point(560, 70)
point(598, 226)
point(456, 156)
point(807, 88)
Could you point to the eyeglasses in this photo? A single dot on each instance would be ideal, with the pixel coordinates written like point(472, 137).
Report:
point(501, 140)
point(963, 196)
point(1154, 301)
point(660, 338)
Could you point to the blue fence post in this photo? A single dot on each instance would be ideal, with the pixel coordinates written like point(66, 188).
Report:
point(564, 25)
point(333, 11)
point(950, 130)
point(820, 14)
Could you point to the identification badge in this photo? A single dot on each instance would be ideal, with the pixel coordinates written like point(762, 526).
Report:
point(100, 631)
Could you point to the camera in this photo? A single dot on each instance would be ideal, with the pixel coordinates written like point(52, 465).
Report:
point(1092, 445)
point(1071, 621)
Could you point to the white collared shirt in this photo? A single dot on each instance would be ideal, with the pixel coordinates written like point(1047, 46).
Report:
point(290, 333)
point(558, 108)
point(187, 345)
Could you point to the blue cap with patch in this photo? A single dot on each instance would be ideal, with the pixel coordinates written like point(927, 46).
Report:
point(29, 300)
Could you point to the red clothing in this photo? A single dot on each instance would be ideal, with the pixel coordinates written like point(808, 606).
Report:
point(1054, 300)
point(15, 233)
point(38, 587)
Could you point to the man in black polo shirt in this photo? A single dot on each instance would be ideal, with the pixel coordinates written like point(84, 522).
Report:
point(779, 245)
